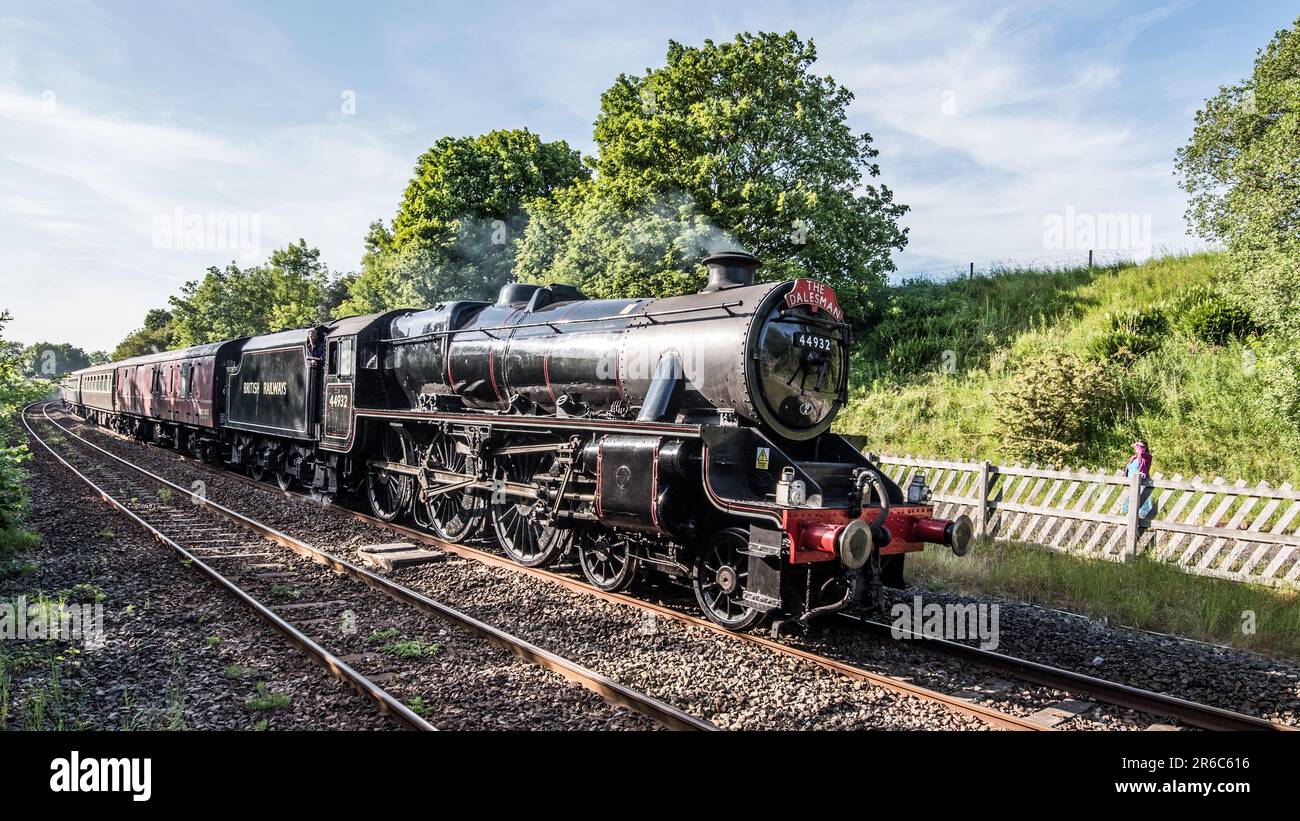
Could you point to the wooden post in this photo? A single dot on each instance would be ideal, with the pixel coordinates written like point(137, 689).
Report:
point(1131, 526)
point(972, 270)
point(982, 512)
point(1089, 257)
point(873, 458)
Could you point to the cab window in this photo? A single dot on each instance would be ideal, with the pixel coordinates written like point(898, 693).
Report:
point(346, 359)
point(333, 358)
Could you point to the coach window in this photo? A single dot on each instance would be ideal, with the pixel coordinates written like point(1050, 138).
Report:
point(345, 356)
point(186, 370)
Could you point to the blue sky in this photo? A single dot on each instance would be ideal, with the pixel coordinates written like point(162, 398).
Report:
point(989, 118)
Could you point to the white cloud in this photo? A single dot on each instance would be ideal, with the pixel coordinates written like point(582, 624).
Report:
point(987, 134)
point(988, 118)
point(82, 190)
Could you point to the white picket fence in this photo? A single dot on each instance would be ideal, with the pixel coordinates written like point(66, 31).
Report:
point(1211, 527)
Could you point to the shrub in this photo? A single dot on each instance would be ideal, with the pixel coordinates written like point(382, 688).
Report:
point(16, 390)
point(1052, 404)
point(1279, 369)
point(1205, 314)
point(1129, 334)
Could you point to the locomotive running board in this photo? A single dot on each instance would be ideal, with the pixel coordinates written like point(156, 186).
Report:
point(684, 431)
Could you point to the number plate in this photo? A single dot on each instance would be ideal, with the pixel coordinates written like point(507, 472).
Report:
point(813, 341)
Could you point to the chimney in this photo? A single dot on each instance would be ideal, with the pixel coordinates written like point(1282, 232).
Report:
point(730, 269)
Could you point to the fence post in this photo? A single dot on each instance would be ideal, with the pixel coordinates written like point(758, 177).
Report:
point(1131, 527)
point(972, 270)
point(982, 512)
point(1089, 257)
point(872, 458)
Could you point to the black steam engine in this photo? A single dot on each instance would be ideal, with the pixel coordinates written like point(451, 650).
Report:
point(687, 435)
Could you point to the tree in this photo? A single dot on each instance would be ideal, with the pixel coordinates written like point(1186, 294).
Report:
point(290, 291)
point(158, 334)
point(1052, 405)
point(47, 360)
point(16, 390)
point(582, 238)
point(1241, 168)
point(728, 145)
point(454, 233)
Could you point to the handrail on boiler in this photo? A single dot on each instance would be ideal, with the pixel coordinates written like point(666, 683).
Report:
point(727, 306)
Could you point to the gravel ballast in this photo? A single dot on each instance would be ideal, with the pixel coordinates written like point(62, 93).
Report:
point(723, 680)
point(219, 674)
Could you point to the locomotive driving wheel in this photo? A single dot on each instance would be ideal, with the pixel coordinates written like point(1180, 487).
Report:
point(606, 559)
point(721, 577)
point(520, 522)
point(451, 515)
point(292, 465)
point(389, 492)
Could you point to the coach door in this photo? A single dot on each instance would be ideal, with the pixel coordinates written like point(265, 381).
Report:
point(340, 387)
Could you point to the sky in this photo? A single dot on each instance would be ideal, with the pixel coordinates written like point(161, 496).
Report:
point(141, 143)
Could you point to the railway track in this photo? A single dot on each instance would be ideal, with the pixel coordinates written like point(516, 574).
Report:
point(1203, 716)
point(1192, 713)
point(207, 535)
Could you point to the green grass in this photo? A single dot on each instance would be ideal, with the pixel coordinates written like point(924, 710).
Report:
point(1201, 408)
point(417, 706)
point(83, 592)
point(40, 703)
point(1146, 594)
point(286, 592)
point(413, 649)
point(236, 672)
point(263, 699)
point(17, 551)
point(387, 634)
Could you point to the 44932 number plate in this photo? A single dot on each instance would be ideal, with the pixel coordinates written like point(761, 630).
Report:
point(815, 342)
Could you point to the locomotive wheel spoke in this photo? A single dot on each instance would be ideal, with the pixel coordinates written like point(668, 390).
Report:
point(389, 493)
point(607, 561)
point(451, 516)
point(721, 578)
point(527, 541)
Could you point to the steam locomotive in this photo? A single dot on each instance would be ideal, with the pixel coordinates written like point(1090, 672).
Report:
point(687, 436)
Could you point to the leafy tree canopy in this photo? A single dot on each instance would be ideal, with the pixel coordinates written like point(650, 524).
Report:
point(737, 144)
point(49, 360)
point(1241, 168)
point(157, 335)
point(16, 390)
point(291, 290)
point(455, 230)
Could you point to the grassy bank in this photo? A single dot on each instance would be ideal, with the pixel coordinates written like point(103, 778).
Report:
point(1145, 594)
point(931, 378)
